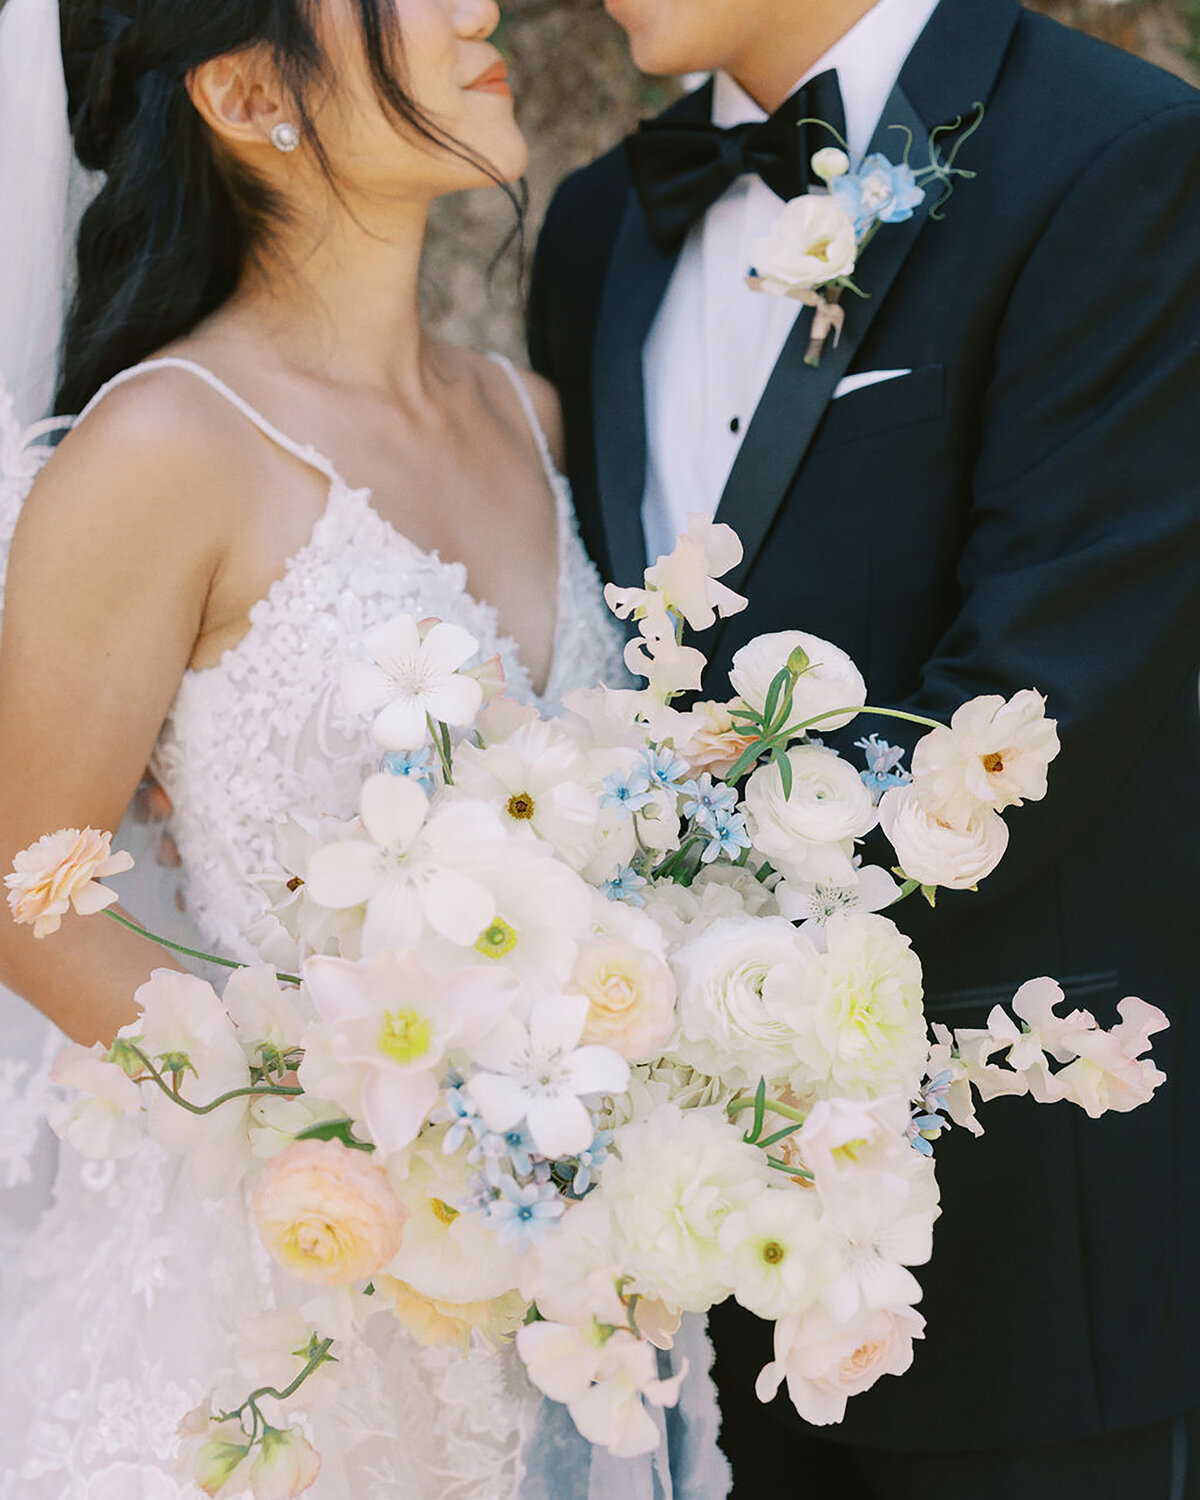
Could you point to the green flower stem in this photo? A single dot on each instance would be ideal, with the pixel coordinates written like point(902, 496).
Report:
point(319, 1356)
point(208, 958)
point(254, 1090)
point(441, 743)
point(772, 1107)
point(782, 1166)
point(866, 708)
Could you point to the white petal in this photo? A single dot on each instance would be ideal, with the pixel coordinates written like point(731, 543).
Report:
point(559, 1124)
point(402, 725)
point(457, 906)
point(393, 810)
point(344, 874)
point(612, 1416)
point(557, 1023)
point(447, 646)
point(502, 1101)
point(92, 898)
point(393, 919)
point(339, 989)
point(395, 642)
point(454, 700)
point(365, 688)
point(597, 1070)
point(466, 834)
point(396, 1105)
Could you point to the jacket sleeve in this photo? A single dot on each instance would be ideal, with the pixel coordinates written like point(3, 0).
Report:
point(1080, 575)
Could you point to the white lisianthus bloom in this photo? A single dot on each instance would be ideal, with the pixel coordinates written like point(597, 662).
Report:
point(811, 243)
point(410, 680)
point(182, 1018)
point(672, 1180)
point(740, 988)
point(537, 780)
point(825, 1361)
point(932, 850)
point(774, 1248)
point(107, 1122)
point(539, 1073)
point(830, 681)
point(384, 1032)
point(863, 1022)
point(810, 835)
point(812, 905)
point(995, 754)
point(421, 865)
point(448, 1254)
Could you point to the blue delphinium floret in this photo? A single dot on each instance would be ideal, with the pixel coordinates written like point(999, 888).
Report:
point(880, 190)
point(884, 765)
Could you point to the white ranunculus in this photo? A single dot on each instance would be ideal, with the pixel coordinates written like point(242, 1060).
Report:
point(863, 1021)
point(774, 1252)
point(671, 1182)
point(810, 835)
point(830, 681)
point(936, 853)
point(825, 1361)
point(740, 984)
point(812, 242)
point(995, 754)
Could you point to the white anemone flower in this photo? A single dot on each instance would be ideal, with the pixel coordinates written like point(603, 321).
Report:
point(420, 865)
point(410, 680)
point(537, 1074)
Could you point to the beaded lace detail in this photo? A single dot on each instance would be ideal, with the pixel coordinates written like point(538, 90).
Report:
point(134, 1285)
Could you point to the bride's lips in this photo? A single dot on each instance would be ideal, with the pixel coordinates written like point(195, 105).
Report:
point(493, 80)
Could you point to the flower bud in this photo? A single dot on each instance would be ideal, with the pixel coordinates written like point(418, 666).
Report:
point(830, 163)
point(215, 1464)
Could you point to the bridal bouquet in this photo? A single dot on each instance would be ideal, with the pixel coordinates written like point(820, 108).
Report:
point(588, 1023)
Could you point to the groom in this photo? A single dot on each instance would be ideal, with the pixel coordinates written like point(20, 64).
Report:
point(991, 481)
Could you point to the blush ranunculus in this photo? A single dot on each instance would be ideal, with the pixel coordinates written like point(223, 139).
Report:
point(631, 998)
point(327, 1213)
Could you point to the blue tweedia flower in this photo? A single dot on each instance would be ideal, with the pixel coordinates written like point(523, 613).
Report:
point(884, 765)
point(458, 1110)
point(626, 885)
point(880, 190)
point(480, 1199)
point(630, 792)
point(727, 836)
point(495, 1148)
point(666, 768)
point(522, 1215)
point(417, 765)
point(587, 1164)
point(707, 800)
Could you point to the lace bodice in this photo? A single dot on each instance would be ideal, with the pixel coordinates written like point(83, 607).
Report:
point(263, 734)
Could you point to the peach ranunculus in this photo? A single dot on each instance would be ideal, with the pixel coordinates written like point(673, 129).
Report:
point(714, 743)
point(62, 870)
point(631, 998)
point(431, 1321)
point(326, 1213)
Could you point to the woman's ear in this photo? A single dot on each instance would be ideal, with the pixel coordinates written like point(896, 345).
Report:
point(238, 97)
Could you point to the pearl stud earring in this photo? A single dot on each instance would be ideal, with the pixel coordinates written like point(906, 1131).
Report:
point(285, 137)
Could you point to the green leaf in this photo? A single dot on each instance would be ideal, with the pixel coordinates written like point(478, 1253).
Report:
point(760, 1109)
point(779, 683)
point(930, 894)
point(744, 762)
point(785, 772)
point(335, 1130)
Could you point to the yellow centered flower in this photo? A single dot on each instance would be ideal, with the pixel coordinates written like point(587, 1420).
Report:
point(820, 250)
point(773, 1252)
point(850, 1151)
point(405, 1035)
point(993, 763)
point(498, 940)
point(442, 1212)
point(521, 806)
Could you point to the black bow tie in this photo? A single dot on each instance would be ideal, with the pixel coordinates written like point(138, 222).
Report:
point(680, 168)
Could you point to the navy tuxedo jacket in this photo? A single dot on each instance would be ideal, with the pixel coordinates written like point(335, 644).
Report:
point(1023, 510)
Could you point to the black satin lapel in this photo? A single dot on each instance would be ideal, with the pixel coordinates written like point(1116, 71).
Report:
point(796, 395)
point(637, 280)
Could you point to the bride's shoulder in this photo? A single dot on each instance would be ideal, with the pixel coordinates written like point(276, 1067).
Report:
point(547, 409)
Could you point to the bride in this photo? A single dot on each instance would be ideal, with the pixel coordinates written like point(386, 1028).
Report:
point(271, 457)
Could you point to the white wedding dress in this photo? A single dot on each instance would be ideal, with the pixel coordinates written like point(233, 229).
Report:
point(129, 1287)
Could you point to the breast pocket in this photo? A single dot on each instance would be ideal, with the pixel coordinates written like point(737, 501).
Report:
point(885, 406)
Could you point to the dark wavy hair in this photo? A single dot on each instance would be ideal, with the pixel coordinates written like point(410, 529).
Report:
point(164, 242)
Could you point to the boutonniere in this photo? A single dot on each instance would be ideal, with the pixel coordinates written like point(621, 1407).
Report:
point(814, 246)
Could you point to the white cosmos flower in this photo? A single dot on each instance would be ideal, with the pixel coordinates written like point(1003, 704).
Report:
point(385, 1030)
point(774, 1247)
point(810, 834)
point(537, 779)
point(410, 680)
point(422, 865)
point(830, 681)
point(932, 850)
point(538, 1073)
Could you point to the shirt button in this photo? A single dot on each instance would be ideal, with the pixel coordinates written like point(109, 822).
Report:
point(735, 425)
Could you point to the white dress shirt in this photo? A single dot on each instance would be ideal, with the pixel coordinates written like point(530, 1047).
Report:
point(714, 342)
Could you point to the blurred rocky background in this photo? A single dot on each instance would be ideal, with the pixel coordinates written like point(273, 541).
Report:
point(578, 94)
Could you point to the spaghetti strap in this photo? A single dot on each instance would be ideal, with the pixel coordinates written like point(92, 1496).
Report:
point(531, 416)
point(303, 451)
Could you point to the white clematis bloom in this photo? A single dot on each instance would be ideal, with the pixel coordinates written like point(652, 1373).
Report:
point(539, 1073)
point(810, 835)
point(385, 1031)
point(829, 682)
point(410, 680)
point(420, 866)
